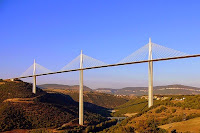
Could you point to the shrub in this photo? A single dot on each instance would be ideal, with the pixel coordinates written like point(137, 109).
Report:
point(101, 126)
point(161, 109)
point(173, 110)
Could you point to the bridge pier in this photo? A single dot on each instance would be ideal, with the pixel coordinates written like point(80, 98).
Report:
point(150, 65)
point(34, 78)
point(34, 85)
point(81, 91)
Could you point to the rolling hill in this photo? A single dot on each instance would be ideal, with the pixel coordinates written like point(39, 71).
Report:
point(20, 109)
point(158, 90)
point(137, 91)
point(177, 108)
point(57, 108)
point(66, 87)
point(100, 99)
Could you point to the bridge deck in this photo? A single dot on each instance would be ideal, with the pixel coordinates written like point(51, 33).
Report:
point(112, 65)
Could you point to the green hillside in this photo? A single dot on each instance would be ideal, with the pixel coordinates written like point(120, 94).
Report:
point(132, 106)
point(174, 109)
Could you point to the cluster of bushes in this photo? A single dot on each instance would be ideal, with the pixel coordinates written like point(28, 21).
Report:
point(145, 126)
point(119, 129)
point(191, 116)
point(173, 110)
point(12, 118)
point(177, 118)
point(101, 126)
point(78, 129)
point(190, 101)
point(161, 109)
point(149, 126)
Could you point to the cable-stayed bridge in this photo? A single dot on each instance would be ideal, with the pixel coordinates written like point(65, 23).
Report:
point(149, 53)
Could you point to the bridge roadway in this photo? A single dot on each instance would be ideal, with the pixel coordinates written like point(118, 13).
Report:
point(112, 65)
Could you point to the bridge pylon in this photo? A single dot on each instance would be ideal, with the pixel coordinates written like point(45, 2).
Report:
point(34, 78)
point(150, 74)
point(81, 91)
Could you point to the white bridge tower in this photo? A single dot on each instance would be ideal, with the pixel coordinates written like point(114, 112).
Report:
point(81, 91)
point(34, 77)
point(150, 91)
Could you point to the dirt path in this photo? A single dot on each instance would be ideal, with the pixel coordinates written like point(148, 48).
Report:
point(130, 114)
point(22, 100)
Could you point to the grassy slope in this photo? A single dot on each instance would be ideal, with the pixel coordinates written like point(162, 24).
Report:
point(151, 120)
point(137, 105)
point(133, 106)
point(193, 125)
point(100, 99)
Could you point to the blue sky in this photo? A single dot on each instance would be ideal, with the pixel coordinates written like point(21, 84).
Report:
point(54, 32)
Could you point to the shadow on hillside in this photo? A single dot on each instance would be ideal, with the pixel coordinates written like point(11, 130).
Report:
point(57, 98)
point(66, 100)
point(96, 109)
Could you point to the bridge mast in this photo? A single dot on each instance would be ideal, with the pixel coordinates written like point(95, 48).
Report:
point(34, 78)
point(150, 92)
point(81, 91)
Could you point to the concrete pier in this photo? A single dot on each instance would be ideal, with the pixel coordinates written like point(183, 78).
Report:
point(150, 91)
point(81, 91)
point(34, 78)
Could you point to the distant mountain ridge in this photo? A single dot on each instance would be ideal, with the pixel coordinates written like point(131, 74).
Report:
point(60, 86)
point(175, 89)
point(162, 90)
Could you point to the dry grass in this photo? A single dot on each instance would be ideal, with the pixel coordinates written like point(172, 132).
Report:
point(167, 112)
point(20, 100)
point(17, 131)
point(130, 114)
point(192, 125)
